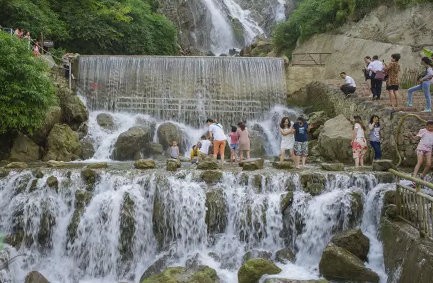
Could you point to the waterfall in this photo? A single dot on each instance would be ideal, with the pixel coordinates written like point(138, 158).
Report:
point(183, 89)
point(129, 219)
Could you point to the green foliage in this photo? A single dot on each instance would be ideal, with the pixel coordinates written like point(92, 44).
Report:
point(95, 26)
point(26, 91)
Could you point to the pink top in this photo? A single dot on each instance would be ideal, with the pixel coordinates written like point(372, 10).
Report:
point(426, 142)
point(234, 138)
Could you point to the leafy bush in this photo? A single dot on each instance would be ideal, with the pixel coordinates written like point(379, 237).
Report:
point(26, 91)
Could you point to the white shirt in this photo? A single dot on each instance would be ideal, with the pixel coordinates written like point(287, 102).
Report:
point(350, 81)
point(217, 132)
point(205, 144)
point(375, 66)
point(360, 131)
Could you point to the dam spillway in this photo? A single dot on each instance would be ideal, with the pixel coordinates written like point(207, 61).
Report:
point(183, 89)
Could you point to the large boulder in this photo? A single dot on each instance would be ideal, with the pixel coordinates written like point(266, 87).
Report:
point(173, 164)
point(24, 150)
point(154, 149)
point(216, 212)
point(74, 113)
point(145, 164)
point(35, 277)
point(257, 254)
point(167, 133)
point(317, 119)
point(62, 144)
point(252, 164)
point(257, 146)
point(201, 274)
point(253, 269)
point(339, 264)
point(208, 164)
point(53, 116)
point(353, 241)
point(105, 121)
point(87, 149)
point(131, 144)
point(157, 267)
point(335, 140)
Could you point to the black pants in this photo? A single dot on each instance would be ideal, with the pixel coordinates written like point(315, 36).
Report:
point(376, 88)
point(347, 89)
point(377, 151)
point(67, 72)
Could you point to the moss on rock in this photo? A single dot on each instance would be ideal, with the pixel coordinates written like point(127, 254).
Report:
point(253, 269)
point(89, 177)
point(82, 198)
point(53, 183)
point(127, 231)
point(211, 176)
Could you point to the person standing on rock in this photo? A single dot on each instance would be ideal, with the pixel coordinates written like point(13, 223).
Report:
point(287, 138)
point(376, 85)
point(349, 85)
point(301, 141)
point(359, 144)
point(174, 151)
point(425, 137)
point(367, 61)
point(424, 84)
point(374, 127)
point(392, 70)
point(216, 134)
point(204, 145)
point(244, 141)
point(234, 144)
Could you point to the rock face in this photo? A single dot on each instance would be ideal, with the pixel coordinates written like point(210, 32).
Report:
point(253, 164)
point(339, 264)
point(105, 120)
point(353, 241)
point(167, 133)
point(62, 144)
point(53, 116)
point(253, 269)
point(130, 144)
point(35, 277)
point(145, 164)
point(74, 113)
point(335, 139)
point(383, 165)
point(24, 150)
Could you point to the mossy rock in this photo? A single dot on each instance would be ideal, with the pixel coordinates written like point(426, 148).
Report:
point(256, 254)
point(354, 241)
point(35, 277)
point(15, 240)
point(33, 186)
point(356, 207)
point(211, 176)
point(182, 275)
point(127, 230)
point(55, 164)
point(17, 165)
point(283, 280)
point(63, 144)
point(4, 173)
point(208, 164)
point(253, 269)
point(252, 164)
point(100, 165)
point(286, 201)
point(285, 255)
point(283, 165)
point(216, 212)
point(332, 166)
point(48, 221)
point(37, 173)
point(313, 183)
point(82, 198)
point(257, 183)
point(53, 183)
point(89, 176)
point(173, 164)
point(145, 164)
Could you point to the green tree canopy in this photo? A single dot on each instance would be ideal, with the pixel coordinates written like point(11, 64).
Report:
point(26, 91)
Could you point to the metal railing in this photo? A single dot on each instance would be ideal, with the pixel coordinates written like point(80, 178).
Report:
point(414, 206)
point(309, 59)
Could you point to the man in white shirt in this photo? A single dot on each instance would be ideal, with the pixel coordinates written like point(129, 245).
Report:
point(349, 85)
point(204, 145)
point(376, 85)
point(216, 134)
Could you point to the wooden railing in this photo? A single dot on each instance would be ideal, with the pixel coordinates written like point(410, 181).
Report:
point(309, 59)
point(414, 206)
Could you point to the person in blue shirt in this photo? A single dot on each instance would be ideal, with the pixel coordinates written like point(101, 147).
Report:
point(301, 141)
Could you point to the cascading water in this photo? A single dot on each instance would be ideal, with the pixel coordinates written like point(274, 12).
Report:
point(129, 219)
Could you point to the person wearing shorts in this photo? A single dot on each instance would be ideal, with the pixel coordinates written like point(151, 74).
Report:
point(234, 144)
point(301, 141)
point(424, 149)
point(216, 133)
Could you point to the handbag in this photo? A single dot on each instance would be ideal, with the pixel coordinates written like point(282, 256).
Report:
point(380, 76)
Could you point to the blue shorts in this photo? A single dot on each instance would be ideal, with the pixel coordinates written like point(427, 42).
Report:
point(234, 146)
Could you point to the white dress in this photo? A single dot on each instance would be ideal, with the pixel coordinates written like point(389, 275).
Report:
point(288, 141)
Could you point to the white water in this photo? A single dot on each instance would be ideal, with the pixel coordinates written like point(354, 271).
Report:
point(253, 221)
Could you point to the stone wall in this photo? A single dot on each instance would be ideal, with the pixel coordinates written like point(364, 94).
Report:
point(317, 96)
point(298, 76)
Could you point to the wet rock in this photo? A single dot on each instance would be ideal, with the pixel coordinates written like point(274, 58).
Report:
point(146, 123)
point(286, 201)
point(83, 130)
point(383, 165)
point(354, 241)
point(53, 183)
point(154, 148)
point(257, 148)
point(167, 133)
point(127, 232)
point(17, 165)
point(181, 275)
point(208, 164)
point(285, 255)
point(216, 212)
point(257, 183)
point(4, 173)
point(130, 145)
point(253, 164)
point(283, 165)
point(332, 166)
point(173, 164)
point(339, 264)
point(82, 198)
point(55, 164)
point(24, 150)
point(100, 165)
point(89, 177)
point(316, 132)
point(390, 197)
point(317, 119)
point(87, 149)
point(313, 183)
point(157, 267)
point(281, 280)
point(74, 113)
point(33, 186)
point(105, 121)
point(15, 240)
point(253, 269)
point(256, 254)
point(46, 225)
point(52, 118)
point(356, 208)
point(391, 211)
point(145, 164)
point(211, 176)
point(62, 144)
point(35, 277)
point(335, 140)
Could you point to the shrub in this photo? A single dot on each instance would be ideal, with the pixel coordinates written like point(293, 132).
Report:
point(26, 91)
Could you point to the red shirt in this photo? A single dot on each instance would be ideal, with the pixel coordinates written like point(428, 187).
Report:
point(234, 138)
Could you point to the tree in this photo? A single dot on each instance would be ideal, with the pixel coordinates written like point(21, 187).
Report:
point(26, 91)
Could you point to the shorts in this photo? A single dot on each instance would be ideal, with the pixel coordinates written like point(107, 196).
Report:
point(392, 87)
point(301, 148)
point(422, 152)
point(219, 145)
point(234, 146)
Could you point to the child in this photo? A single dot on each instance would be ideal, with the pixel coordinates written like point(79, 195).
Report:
point(425, 137)
point(359, 144)
point(288, 138)
point(301, 141)
point(174, 151)
point(374, 127)
point(194, 154)
point(234, 144)
point(204, 147)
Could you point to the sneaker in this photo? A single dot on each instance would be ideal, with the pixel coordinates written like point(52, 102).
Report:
point(409, 104)
point(426, 111)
